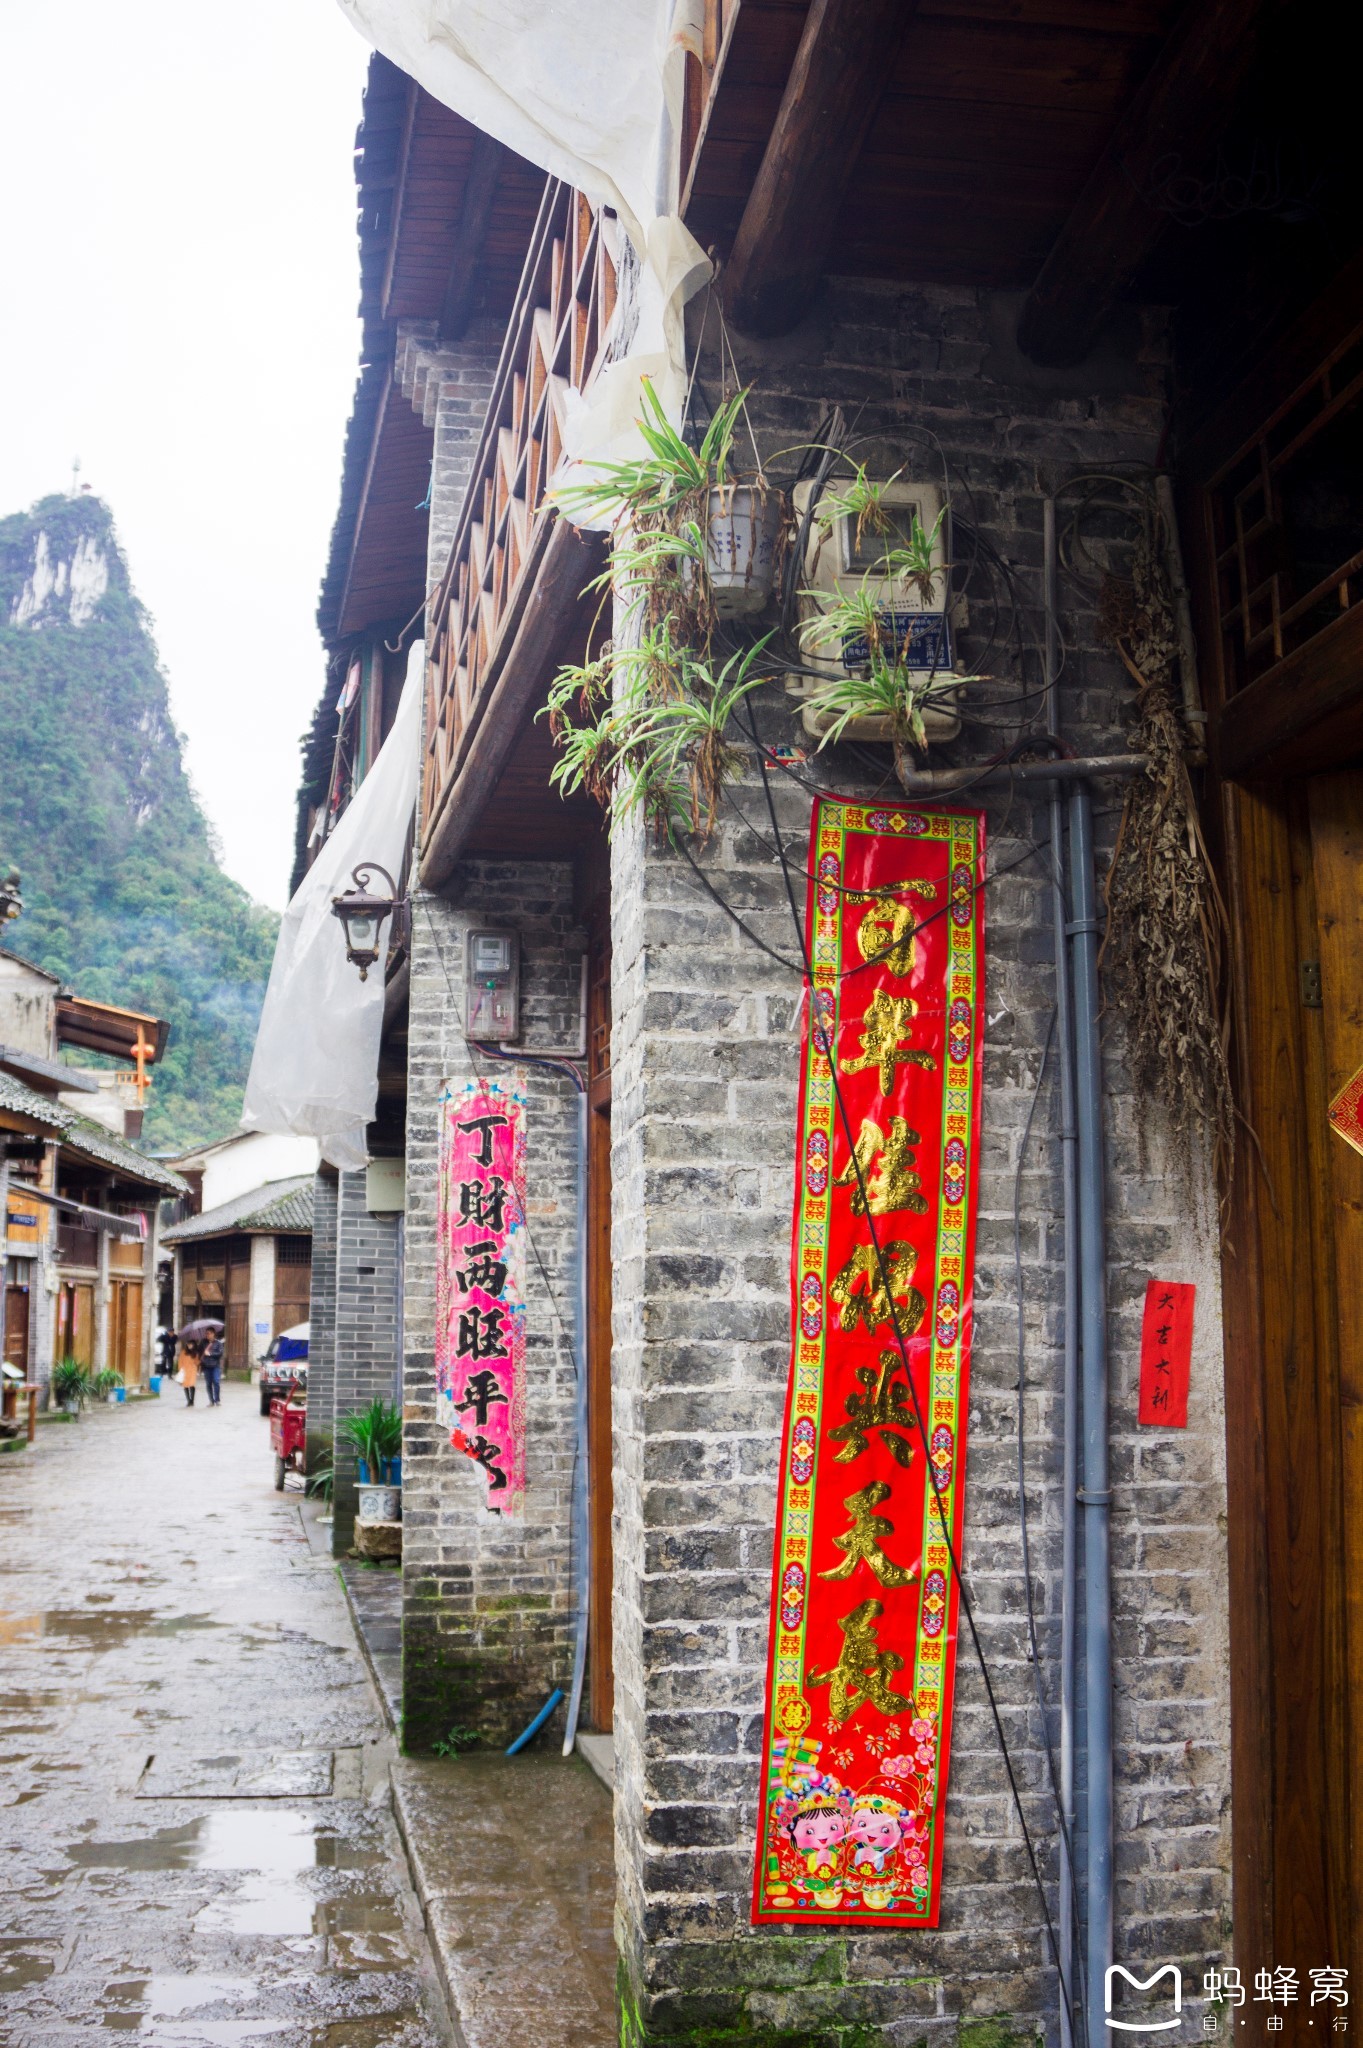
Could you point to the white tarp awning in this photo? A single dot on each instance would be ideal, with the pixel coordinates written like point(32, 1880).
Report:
point(593, 94)
point(315, 1065)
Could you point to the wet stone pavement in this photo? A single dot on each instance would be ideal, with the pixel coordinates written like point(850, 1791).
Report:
point(195, 1822)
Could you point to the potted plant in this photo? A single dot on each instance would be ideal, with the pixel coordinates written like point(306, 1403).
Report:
point(688, 510)
point(390, 1448)
point(643, 724)
point(108, 1386)
point(887, 678)
point(70, 1386)
point(370, 1435)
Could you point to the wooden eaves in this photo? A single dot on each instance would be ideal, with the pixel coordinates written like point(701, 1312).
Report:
point(951, 141)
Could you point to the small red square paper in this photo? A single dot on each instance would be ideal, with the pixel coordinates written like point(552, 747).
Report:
point(1166, 1353)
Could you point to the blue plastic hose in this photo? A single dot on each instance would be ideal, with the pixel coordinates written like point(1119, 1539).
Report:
point(541, 1717)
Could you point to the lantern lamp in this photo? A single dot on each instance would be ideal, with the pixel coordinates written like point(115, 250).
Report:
point(362, 913)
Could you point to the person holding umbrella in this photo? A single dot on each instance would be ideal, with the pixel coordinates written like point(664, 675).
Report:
point(194, 1340)
point(212, 1370)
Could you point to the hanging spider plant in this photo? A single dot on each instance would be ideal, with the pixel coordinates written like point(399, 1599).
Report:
point(643, 725)
point(874, 677)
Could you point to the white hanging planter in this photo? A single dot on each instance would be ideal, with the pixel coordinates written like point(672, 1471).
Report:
point(743, 527)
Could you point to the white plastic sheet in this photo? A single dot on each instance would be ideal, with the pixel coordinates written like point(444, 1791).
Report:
point(592, 93)
point(315, 1065)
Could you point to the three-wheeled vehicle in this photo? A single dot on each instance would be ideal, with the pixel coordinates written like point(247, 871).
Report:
point(284, 1367)
point(288, 1435)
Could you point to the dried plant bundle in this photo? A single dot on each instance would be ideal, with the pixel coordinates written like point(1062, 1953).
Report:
point(1167, 930)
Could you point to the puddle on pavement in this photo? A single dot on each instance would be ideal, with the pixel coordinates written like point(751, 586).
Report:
point(105, 1628)
point(272, 1850)
point(171, 2010)
point(338, 1852)
point(23, 1963)
point(168, 1849)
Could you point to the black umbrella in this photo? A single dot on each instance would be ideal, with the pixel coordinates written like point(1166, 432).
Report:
point(207, 1326)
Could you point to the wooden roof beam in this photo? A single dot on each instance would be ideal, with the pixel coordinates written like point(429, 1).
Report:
point(842, 66)
point(1183, 106)
point(485, 168)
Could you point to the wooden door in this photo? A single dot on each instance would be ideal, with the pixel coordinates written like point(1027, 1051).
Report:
point(236, 1311)
point(76, 1322)
point(16, 1325)
point(1294, 1322)
point(125, 1330)
point(1335, 816)
point(599, 1463)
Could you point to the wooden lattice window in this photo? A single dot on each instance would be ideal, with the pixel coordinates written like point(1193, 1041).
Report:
point(1287, 521)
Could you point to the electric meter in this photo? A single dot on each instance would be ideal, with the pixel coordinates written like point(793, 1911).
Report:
point(493, 986)
point(844, 558)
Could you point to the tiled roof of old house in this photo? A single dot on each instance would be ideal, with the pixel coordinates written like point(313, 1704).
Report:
point(90, 1140)
point(279, 1205)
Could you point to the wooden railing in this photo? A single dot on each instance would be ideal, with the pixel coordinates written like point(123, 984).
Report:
point(557, 339)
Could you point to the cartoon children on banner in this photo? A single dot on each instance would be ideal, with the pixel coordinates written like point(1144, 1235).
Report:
point(839, 1849)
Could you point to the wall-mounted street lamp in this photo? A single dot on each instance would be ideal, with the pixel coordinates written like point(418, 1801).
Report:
point(11, 901)
point(362, 912)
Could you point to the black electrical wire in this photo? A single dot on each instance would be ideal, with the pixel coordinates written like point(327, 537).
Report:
point(890, 892)
point(1030, 851)
point(966, 1605)
point(1043, 1705)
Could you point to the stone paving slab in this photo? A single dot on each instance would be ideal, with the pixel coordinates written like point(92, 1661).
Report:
point(513, 1862)
point(158, 1599)
point(375, 1597)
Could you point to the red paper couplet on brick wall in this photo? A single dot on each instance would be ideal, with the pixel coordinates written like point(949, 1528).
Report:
point(864, 1596)
point(1166, 1353)
point(480, 1281)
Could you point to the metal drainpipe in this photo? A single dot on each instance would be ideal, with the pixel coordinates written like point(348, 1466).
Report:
point(582, 1526)
point(1064, 1032)
point(1095, 1495)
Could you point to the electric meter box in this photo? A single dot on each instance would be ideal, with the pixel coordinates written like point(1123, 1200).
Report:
point(492, 988)
point(838, 562)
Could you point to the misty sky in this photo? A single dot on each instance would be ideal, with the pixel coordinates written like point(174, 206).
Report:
point(178, 283)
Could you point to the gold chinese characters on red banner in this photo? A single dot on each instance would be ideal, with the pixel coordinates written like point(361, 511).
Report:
point(864, 1596)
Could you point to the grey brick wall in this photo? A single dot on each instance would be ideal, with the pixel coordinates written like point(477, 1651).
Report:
point(368, 1282)
point(450, 389)
point(322, 1321)
point(705, 1071)
point(487, 1620)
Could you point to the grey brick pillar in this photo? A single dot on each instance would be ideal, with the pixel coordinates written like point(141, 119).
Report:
point(322, 1322)
point(487, 1602)
point(367, 1270)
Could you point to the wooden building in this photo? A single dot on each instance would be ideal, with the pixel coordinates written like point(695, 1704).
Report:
point(1044, 258)
point(82, 1237)
point(248, 1262)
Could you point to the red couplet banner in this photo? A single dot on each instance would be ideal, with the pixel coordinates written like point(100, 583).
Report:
point(864, 1596)
point(1166, 1353)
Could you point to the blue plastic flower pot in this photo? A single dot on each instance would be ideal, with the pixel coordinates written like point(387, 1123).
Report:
point(120, 1393)
point(392, 1471)
point(363, 1464)
point(155, 1383)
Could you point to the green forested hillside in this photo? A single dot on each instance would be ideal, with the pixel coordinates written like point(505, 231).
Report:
point(123, 896)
